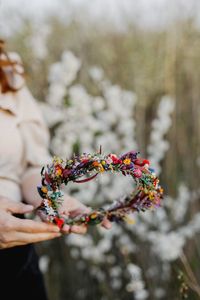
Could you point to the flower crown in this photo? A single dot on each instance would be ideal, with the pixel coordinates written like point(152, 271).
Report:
point(85, 167)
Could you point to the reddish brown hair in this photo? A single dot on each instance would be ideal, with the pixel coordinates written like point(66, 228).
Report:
point(5, 61)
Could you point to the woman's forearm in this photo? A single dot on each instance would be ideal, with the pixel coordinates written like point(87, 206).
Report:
point(29, 189)
point(31, 195)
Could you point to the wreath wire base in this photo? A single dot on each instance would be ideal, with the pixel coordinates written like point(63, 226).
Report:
point(85, 167)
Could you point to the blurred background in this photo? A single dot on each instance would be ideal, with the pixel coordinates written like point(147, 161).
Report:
point(124, 75)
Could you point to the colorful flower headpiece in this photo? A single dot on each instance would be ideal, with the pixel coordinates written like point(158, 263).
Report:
point(79, 169)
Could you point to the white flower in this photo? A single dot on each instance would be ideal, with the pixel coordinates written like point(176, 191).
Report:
point(134, 270)
point(37, 42)
point(115, 271)
point(181, 203)
point(158, 146)
point(96, 73)
point(141, 295)
point(98, 104)
point(167, 246)
point(52, 115)
point(44, 263)
point(71, 64)
point(65, 71)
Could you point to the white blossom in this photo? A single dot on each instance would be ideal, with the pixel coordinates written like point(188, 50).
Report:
point(37, 41)
point(160, 126)
point(96, 73)
point(167, 246)
point(44, 261)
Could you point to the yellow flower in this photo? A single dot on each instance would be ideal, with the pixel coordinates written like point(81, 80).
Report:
point(151, 195)
point(161, 190)
point(44, 189)
point(127, 161)
point(129, 220)
point(57, 160)
point(58, 172)
point(93, 216)
point(101, 169)
point(96, 164)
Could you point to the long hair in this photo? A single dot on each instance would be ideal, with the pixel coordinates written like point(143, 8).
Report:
point(8, 71)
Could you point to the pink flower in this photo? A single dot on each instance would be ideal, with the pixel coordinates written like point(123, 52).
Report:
point(109, 160)
point(66, 173)
point(137, 173)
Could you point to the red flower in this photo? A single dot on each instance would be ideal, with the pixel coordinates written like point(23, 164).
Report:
point(115, 159)
point(87, 219)
point(141, 162)
point(85, 160)
point(59, 222)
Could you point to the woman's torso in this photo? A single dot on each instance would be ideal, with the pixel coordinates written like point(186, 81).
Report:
point(11, 149)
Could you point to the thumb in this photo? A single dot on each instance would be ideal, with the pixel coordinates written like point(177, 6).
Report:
point(18, 207)
point(80, 211)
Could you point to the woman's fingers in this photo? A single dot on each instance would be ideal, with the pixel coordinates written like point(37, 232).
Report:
point(71, 205)
point(79, 229)
point(79, 211)
point(39, 237)
point(42, 216)
point(15, 231)
point(19, 238)
point(65, 229)
point(73, 212)
point(15, 207)
point(106, 223)
point(30, 226)
point(10, 245)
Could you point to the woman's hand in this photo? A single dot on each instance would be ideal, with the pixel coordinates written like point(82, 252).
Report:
point(71, 207)
point(15, 231)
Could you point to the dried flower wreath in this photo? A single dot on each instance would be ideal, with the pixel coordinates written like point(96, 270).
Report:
point(146, 195)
